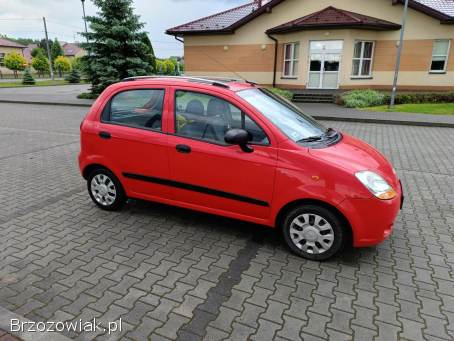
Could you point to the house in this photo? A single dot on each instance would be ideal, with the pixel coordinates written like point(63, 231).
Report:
point(325, 44)
point(28, 52)
point(73, 50)
point(7, 47)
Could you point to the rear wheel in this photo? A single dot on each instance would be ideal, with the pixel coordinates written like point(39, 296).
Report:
point(106, 190)
point(313, 232)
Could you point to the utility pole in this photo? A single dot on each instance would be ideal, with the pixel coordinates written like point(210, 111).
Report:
point(399, 55)
point(48, 50)
point(85, 18)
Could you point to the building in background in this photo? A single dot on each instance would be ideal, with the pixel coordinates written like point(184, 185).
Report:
point(6, 47)
point(73, 50)
point(325, 44)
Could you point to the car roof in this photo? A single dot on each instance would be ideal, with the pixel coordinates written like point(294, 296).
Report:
point(206, 82)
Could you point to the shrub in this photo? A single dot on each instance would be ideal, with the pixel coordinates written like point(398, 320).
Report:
point(87, 95)
point(363, 98)
point(170, 67)
point(15, 62)
point(40, 64)
point(370, 98)
point(73, 77)
point(62, 64)
point(283, 93)
point(421, 97)
point(28, 78)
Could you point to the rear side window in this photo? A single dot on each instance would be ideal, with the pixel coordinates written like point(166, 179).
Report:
point(137, 108)
point(205, 117)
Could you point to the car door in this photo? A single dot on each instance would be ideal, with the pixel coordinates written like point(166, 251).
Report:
point(131, 138)
point(207, 172)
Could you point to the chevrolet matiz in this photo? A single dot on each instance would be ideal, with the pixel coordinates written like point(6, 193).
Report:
point(235, 149)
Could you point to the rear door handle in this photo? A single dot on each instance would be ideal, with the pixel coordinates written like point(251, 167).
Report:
point(183, 148)
point(104, 135)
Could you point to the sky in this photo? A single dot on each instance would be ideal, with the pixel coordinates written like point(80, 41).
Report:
point(23, 18)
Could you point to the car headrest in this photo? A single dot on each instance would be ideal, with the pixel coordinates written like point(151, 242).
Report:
point(218, 108)
point(195, 107)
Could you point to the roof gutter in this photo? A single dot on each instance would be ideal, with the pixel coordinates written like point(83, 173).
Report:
point(179, 39)
point(276, 45)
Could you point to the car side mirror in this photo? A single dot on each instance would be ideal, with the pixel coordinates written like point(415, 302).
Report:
point(239, 137)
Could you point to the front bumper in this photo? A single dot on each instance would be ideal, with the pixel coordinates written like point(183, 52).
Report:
point(372, 219)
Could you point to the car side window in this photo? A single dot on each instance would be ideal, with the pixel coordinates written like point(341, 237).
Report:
point(206, 117)
point(137, 108)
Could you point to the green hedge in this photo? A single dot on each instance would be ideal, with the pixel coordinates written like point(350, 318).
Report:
point(370, 98)
point(283, 93)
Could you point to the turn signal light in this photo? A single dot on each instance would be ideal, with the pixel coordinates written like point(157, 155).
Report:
point(388, 195)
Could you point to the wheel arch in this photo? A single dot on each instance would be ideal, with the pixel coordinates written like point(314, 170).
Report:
point(91, 167)
point(291, 205)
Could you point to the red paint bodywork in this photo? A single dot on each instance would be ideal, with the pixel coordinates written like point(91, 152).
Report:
point(280, 174)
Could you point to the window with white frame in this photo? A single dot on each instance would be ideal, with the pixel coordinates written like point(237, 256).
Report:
point(440, 54)
point(362, 59)
point(2, 59)
point(291, 56)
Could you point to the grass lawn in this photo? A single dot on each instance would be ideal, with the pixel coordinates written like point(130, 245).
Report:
point(18, 83)
point(434, 109)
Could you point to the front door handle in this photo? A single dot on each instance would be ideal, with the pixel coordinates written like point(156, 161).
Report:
point(183, 148)
point(104, 135)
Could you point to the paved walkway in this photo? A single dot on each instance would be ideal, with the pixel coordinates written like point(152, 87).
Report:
point(335, 112)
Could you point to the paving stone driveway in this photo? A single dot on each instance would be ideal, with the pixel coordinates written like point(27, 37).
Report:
point(171, 273)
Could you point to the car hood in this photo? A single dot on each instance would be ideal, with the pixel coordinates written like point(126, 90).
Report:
point(354, 155)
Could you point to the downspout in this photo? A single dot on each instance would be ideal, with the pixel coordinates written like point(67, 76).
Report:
point(276, 45)
point(179, 39)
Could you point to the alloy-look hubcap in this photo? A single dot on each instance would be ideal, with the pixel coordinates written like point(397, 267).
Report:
point(103, 189)
point(311, 233)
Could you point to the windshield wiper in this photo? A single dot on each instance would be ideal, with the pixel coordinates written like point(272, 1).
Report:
point(330, 132)
point(311, 139)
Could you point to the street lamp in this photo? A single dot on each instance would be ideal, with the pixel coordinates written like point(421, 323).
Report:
point(85, 19)
point(399, 54)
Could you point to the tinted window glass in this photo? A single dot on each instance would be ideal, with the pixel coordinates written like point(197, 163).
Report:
point(138, 108)
point(206, 117)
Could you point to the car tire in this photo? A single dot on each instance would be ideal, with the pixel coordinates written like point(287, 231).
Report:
point(106, 190)
point(313, 232)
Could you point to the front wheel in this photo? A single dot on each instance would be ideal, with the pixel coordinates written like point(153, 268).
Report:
point(313, 232)
point(106, 190)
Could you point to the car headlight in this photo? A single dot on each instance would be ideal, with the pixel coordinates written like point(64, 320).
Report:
point(377, 185)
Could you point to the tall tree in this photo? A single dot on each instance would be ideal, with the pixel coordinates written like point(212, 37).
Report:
point(115, 49)
point(151, 56)
point(56, 50)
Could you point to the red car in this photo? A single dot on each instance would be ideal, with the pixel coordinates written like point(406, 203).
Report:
point(235, 149)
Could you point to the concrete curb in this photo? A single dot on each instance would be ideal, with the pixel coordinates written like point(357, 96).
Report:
point(319, 117)
point(84, 105)
point(5, 323)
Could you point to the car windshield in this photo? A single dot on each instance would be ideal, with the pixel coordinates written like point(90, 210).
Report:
point(288, 118)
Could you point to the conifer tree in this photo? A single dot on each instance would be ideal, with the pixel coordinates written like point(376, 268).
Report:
point(115, 47)
point(28, 78)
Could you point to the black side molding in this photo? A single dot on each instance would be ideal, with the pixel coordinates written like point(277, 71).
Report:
point(195, 188)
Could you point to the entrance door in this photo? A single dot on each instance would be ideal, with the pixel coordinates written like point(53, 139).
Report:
point(325, 57)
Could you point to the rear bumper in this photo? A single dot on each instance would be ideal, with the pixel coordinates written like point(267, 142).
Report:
point(372, 219)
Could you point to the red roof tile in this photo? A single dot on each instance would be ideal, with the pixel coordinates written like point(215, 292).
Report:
point(71, 49)
point(9, 43)
point(332, 17)
point(217, 22)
